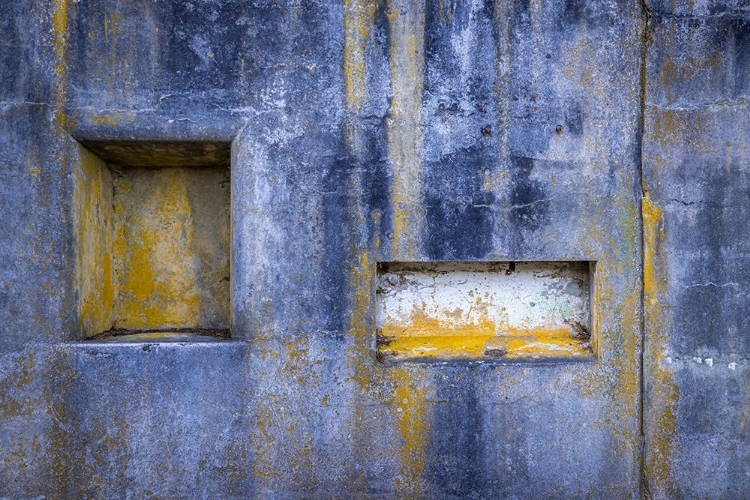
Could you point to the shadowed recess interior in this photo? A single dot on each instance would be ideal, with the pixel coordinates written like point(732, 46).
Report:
point(153, 237)
point(522, 311)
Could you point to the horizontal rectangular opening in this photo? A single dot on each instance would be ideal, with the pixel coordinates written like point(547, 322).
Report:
point(502, 311)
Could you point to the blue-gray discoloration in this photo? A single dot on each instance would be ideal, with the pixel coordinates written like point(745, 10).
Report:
point(695, 169)
point(532, 135)
point(459, 208)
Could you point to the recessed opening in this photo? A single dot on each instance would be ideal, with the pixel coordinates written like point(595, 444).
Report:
point(503, 311)
point(153, 239)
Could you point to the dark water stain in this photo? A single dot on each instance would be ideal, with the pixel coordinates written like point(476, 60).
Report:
point(573, 12)
point(12, 55)
point(460, 216)
point(445, 74)
point(574, 119)
point(714, 298)
point(522, 6)
point(741, 73)
point(376, 181)
point(454, 461)
point(581, 13)
point(529, 200)
point(336, 217)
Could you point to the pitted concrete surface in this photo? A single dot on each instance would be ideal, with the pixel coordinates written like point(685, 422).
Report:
point(369, 131)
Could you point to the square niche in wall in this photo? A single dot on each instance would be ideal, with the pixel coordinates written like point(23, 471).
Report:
point(152, 226)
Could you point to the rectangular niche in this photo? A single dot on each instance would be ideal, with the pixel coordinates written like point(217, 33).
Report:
point(153, 239)
point(519, 311)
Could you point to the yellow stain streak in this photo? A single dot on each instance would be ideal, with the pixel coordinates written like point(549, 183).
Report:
point(107, 120)
point(60, 43)
point(92, 213)
point(111, 24)
point(360, 358)
point(653, 234)
point(661, 421)
point(360, 300)
point(405, 138)
point(359, 16)
point(628, 309)
point(60, 26)
point(409, 407)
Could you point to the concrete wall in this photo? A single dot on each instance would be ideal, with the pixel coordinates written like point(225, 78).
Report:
point(373, 131)
point(696, 176)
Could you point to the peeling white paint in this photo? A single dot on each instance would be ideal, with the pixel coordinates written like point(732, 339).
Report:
point(512, 297)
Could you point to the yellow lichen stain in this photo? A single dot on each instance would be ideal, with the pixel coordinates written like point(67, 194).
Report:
point(437, 346)
point(674, 74)
point(408, 405)
point(547, 344)
point(361, 275)
point(359, 16)
point(93, 216)
point(426, 337)
point(628, 309)
point(264, 441)
point(653, 235)
point(18, 382)
point(157, 274)
point(300, 451)
point(111, 24)
point(35, 172)
point(60, 42)
point(668, 128)
point(452, 337)
point(60, 27)
point(404, 125)
point(106, 120)
point(660, 418)
point(423, 325)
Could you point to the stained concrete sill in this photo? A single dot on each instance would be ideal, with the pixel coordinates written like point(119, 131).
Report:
point(161, 337)
point(525, 361)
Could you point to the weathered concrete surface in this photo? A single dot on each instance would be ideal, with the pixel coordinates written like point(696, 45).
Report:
point(171, 248)
point(697, 178)
point(442, 154)
point(370, 131)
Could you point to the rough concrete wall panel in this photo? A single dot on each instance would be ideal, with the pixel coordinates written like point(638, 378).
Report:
point(697, 395)
point(158, 420)
point(35, 412)
point(35, 188)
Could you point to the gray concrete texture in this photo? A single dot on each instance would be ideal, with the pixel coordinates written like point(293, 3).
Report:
point(370, 131)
